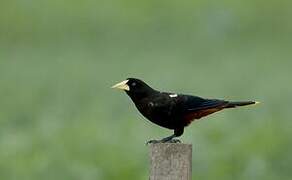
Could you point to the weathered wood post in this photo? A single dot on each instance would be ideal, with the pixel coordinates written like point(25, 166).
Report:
point(170, 161)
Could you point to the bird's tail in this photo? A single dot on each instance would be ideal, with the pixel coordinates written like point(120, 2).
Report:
point(240, 103)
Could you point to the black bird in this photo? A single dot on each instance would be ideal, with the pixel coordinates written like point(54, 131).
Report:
point(170, 110)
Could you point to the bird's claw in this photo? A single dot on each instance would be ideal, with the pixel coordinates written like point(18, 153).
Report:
point(152, 142)
point(173, 141)
point(163, 141)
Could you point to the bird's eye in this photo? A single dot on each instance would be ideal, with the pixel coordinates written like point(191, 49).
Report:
point(133, 84)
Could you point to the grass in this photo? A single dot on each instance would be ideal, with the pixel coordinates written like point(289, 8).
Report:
point(60, 120)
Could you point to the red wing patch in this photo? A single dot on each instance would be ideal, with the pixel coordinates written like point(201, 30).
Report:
point(199, 114)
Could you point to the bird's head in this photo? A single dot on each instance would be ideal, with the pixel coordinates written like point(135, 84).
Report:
point(135, 88)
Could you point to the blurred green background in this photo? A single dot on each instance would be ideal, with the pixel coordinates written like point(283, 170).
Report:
point(60, 120)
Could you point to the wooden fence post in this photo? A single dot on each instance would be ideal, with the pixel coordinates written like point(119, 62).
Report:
point(170, 161)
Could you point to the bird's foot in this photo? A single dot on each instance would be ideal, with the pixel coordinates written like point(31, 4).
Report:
point(153, 142)
point(163, 141)
point(173, 141)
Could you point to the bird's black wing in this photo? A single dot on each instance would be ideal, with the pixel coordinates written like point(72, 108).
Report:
point(194, 103)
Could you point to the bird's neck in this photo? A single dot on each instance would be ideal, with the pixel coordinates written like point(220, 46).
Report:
point(137, 96)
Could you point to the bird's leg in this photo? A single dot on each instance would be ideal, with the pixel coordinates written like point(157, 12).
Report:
point(169, 139)
point(177, 133)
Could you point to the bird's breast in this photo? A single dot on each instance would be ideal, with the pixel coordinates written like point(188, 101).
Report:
point(162, 115)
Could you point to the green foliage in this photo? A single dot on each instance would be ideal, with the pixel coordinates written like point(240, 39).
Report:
point(60, 120)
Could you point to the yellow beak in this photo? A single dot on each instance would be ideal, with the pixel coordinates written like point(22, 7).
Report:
point(122, 85)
